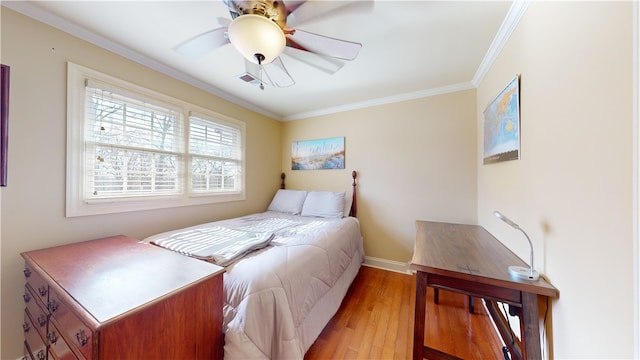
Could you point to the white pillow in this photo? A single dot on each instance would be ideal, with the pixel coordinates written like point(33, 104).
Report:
point(288, 201)
point(325, 204)
point(348, 200)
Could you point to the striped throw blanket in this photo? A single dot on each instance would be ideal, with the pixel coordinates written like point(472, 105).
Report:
point(215, 244)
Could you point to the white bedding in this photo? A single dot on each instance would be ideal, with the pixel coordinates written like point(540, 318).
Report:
point(278, 299)
point(213, 243)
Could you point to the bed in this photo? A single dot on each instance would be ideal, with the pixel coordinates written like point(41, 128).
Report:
point(287, 269)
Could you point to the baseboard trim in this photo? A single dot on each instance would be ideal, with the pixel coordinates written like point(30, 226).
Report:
point(385, 264)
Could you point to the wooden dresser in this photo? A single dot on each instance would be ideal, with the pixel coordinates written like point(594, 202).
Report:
point(117, 298)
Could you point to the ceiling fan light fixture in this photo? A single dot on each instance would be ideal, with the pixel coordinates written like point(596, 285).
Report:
point(253, 34)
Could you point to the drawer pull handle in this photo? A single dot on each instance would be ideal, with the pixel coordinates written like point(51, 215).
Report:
point(27, 272)
point(26, 297)
point(82, 337)
point(26, 327)
point(42, 320)
point(43, 290)
point(40, 355)
point(53, 338)
point(52, 306)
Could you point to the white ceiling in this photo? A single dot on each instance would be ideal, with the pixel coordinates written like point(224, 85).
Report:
point(410, 49)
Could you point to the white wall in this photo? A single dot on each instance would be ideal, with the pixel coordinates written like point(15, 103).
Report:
point(572, 190)
point(33, 203)
point(416, 161)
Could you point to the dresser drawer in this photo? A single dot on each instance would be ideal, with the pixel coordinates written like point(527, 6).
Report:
point(37, 283)
point(29, 355)
point(33, 341)
point(58, 347)
point(36, 310)
point(76, 332)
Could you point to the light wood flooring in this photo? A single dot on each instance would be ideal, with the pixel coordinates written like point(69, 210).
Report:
point(375, 321)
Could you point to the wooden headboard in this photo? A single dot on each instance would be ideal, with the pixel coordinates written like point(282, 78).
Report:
point(354, 204)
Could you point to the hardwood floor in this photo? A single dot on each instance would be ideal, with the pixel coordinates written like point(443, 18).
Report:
point(375, 321)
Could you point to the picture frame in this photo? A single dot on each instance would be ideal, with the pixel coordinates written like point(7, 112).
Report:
point(502, 125)
point(318, 154)
point(4, 122)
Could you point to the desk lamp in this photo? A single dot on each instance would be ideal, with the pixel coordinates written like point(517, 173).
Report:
point(520, 271)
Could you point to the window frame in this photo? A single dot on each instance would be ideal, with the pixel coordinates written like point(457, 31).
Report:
point(76, 205)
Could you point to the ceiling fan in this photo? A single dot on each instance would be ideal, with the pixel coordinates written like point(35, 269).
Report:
point(261, 29)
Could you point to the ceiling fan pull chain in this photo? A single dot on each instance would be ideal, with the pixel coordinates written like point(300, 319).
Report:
point(260, 57)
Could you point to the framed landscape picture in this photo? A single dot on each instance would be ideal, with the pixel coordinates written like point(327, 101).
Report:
point(318, 154)
point(502, 125)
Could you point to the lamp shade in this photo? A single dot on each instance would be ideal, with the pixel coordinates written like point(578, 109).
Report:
point(253, 34)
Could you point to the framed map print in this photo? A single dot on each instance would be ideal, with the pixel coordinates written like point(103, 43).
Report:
point(502, 125)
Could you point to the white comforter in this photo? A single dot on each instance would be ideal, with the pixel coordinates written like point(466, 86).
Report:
point(278, 299)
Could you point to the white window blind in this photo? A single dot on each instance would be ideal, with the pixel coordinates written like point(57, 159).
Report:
point(133, 145)
point(215, 151)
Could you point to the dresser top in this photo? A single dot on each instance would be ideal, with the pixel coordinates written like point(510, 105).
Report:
point(118, 274)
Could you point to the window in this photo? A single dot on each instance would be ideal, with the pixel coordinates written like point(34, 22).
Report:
point(129, 148)
point(215, 155)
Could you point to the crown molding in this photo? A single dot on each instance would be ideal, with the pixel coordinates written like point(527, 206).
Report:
point(383, 101)
point(515, 13)
point(511, 20)
point(34, 12)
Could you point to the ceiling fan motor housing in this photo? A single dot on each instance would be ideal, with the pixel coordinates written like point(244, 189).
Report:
point(271, 9)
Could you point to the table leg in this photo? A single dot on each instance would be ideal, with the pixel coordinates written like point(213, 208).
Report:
point(418, 327)
point(530, 327)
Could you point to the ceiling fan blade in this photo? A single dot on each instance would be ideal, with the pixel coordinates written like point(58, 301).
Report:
point(252, 68)
point(325, 64)
point(233, 8)
point(323, 45)
point(252, 75)
point(274, 73)
point(303, 12)
point(201, 44)
point(224, 22)
point(293, 5)
point(278, 74)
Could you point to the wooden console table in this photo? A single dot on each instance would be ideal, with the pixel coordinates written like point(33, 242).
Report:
point(469, 260)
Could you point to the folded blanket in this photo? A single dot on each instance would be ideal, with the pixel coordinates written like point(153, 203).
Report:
point(215, 244)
